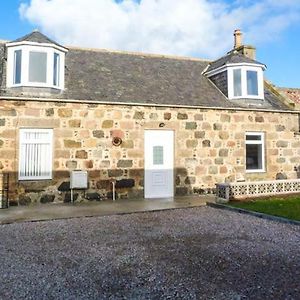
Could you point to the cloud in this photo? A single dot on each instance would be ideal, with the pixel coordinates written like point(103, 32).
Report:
point(191, 27)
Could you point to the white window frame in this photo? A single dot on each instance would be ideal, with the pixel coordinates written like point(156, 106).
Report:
point(25, 166)
point(56, 73)
point(15, 66)
point(244, 69)
point(256, 142)
point(26, 49)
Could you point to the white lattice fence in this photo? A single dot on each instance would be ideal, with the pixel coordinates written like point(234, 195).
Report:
point(238, 190)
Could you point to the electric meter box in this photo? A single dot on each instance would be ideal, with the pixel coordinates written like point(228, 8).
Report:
point(79, 179)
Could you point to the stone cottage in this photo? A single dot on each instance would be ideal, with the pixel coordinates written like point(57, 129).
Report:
point(155, 125)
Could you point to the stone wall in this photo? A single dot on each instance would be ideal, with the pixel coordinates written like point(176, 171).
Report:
point(209, 146)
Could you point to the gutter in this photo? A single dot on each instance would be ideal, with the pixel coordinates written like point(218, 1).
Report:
point(147, 104)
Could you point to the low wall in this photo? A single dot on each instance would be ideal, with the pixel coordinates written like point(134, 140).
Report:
point(240, 190)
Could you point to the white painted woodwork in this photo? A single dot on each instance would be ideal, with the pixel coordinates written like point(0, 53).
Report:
point(159, 163)
point(35, 155)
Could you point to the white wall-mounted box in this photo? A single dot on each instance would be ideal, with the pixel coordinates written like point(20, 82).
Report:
point(79, 179)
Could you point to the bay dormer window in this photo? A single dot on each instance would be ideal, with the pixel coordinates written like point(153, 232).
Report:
point(32, 64)
point(238, 75)
point(245, 82)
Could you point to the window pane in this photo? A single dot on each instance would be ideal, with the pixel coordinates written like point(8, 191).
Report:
point(254, 157)
point(252, 84)
point(158, 155)
point(253, 138)
point(17, 66)
point(237, 82)
point(56, 70)
point(37, 66)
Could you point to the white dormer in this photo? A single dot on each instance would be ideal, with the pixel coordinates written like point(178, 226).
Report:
point(35, 61)
point(238, 75)
point(245, 81)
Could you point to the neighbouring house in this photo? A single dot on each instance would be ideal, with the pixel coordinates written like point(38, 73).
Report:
point(291, 94)
point(156, 125)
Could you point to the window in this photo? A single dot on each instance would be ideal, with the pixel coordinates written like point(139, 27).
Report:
point(237, 82)
point(35, 66)
point(17, 66)
point(245, 82)
point(255, 152)
point(252, 83)
point(158, 155)
point(56, 69)
point(35, 158)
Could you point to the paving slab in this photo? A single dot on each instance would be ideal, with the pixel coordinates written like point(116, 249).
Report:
point(52, 211)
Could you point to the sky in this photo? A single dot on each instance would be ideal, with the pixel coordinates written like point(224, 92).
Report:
point(195, 28)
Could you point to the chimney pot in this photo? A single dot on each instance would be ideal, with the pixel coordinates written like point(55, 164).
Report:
point(237, 38)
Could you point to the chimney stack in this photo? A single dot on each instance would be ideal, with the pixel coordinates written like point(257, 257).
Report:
point(238, 35)
point(246, 50)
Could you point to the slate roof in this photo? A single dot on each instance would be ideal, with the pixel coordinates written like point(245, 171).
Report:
point(109, 76)
point(36, 37)
point(232, 57)
point(118, 77)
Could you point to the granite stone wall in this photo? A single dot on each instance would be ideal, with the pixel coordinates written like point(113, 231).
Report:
point(209, 147)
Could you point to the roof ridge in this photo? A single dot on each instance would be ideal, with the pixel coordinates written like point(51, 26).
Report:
point(137, 53)
point(288, 88)
point(125, 52)
point(227, 54)
point(230, 53)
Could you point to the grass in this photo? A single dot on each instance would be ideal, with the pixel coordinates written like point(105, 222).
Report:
point(286, 207)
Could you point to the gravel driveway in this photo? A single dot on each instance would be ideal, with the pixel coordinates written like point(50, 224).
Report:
point(195, 253)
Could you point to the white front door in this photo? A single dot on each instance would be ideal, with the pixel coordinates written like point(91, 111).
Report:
point(159, 163)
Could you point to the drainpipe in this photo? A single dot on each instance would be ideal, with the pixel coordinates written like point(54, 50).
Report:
point(113, 182)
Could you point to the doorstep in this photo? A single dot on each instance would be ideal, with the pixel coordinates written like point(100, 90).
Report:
point(54, 211)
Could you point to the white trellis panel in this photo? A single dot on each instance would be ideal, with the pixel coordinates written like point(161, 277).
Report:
point(238, 190)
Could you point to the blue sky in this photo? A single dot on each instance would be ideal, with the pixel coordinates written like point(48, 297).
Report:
point(200, 28)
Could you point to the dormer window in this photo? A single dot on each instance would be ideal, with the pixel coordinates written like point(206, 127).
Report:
point(245, 82)
point(252, 83)
point(35, 64)
point(238, 75)
point(37, 69)
point(251, 86)
point(237, 82)
point(17, 66)
point(56, 69)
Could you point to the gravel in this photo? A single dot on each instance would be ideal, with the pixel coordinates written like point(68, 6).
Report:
point(195, 253)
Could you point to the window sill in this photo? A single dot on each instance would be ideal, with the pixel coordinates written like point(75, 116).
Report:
point(32, 85)
point(34, 91)
point(256, 171)
point(34, 178)
point(253, 97)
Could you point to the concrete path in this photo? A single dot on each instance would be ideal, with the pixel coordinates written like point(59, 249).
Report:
point(42, 212)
